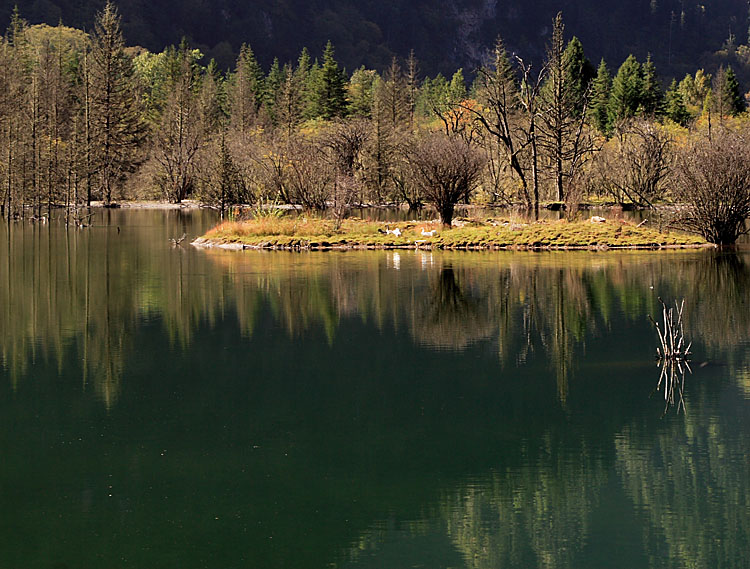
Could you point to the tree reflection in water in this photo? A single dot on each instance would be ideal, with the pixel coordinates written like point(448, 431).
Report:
point(449, 316)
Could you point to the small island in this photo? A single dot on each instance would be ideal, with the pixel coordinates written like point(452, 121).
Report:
point(312, 233)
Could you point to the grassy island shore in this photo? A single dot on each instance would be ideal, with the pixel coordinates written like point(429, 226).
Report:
point(305, 233)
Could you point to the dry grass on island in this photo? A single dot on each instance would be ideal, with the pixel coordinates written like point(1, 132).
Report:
point(315, 233)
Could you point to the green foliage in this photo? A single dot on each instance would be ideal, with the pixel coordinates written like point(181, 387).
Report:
point(675, 106)
point(329, 87)
point(272, 84)
point(116, 123)
point(627, 91)
point(246, 89)
point(732, 94)
point(652, 98)
point(578, 73)
point(601, 89)
point(694, 90)
point(361, 90)
point(457, 87)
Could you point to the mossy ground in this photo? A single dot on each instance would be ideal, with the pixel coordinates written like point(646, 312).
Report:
point(315, 233)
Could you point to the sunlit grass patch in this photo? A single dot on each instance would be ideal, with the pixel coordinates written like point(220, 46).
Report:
point(315, 232)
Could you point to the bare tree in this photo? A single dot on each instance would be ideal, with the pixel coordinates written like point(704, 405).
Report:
point(447, 169)
point(713, 180)
point(529, 95)
point(635, 164)
point(498, 94)
point(562, 110)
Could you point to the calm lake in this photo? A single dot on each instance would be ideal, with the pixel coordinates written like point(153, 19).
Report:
point(168, 407)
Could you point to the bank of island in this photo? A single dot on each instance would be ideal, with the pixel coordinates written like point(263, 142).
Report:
point(309, 233)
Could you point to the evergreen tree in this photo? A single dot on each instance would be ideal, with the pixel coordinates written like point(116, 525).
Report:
point(675, 106)
point(213, 99)
point(272, 85)
point(314, 92)
point(361, 92)
point(578, 73)
point(600, 98)
point(562, 100)
point(412, 86)
point(627, 91)
point(246, 90)
point(457, 91)
point(289, 103)
point(331, 86)
point(652, 98)
point(302, 81)
point(731, 93)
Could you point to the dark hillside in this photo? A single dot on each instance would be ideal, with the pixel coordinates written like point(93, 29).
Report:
point(445, 34)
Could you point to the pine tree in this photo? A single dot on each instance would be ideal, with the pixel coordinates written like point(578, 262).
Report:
point(213, 99)
point(314, 92)
point(272, 85)
point(600, 98)
point(652, 98)
point(331, 86)
point(578, 73)
point(457, 88)
point(627, 91)
point(675, 106)
point(246, 92)
point(391, 93)
point(412, 86)
point(116, 127)
point(732, 94)
point(302, 79)
point(361, 92)
point(289, 103)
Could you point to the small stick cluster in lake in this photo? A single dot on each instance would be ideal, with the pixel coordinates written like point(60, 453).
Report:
point(672, 336)
point(673, 354)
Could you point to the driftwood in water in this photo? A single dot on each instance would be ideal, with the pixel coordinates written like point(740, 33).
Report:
point(176, 242)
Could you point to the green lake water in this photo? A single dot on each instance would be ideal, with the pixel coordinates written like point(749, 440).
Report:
point(168, 407)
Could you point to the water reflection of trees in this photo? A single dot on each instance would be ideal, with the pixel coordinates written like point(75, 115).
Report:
point(451, 315)
point(535, 515)
point(91, 290)
point(78, 296)
point(692, 490)
point(532, 510)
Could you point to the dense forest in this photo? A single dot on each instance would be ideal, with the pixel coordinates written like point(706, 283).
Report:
point(681, 35)
point(84, 117)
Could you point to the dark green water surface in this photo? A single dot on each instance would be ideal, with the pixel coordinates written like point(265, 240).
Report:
point(167, 407)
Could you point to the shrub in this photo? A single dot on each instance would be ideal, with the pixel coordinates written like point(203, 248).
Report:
point(713, 180)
